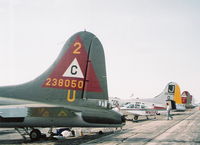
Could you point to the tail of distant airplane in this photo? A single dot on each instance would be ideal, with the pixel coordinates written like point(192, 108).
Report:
point(188, 99)
point(78, 73)
point(172, 92)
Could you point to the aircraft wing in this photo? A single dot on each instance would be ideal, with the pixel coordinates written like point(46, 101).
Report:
point(45, 115)
point(35, 110)
point(18, 111)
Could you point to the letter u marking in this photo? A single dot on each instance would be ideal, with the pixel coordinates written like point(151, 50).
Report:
point(69, 98)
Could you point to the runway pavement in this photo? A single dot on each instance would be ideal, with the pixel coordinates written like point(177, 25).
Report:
point(183, 129)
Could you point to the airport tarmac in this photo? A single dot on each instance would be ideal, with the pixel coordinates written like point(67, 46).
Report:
point(183, 129)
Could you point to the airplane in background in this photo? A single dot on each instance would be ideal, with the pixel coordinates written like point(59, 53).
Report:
point(71, 93)
point(172, 93)
point(136, 109)
point(152, 106)
point(188, 100)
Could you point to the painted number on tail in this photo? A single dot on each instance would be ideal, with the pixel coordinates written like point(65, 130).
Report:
point(77, 46)
point(70, 72)
point(64, 83)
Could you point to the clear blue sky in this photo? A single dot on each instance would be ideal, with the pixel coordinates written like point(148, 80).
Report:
point(147, 43)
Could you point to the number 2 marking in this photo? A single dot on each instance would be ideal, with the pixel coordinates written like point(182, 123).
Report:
point(77, 46)
point(48, 82)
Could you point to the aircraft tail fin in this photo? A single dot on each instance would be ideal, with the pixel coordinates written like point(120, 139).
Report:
point(188, 99)
point(177, 95)
point(171, 92)
point(79, 72)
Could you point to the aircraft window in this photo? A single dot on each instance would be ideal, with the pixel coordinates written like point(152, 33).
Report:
point(99, 103)
point(137, 106)
point(142, 105)
point(103, 103)
point(106, 104)
point(131, 106)
point(109, 106)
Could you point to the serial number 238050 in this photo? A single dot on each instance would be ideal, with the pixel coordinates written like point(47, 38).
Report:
point(54, 82)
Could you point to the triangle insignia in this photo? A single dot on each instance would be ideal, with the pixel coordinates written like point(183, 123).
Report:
point(74, 70)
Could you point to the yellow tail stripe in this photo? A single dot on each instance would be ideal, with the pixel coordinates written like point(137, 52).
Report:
point(177, 95)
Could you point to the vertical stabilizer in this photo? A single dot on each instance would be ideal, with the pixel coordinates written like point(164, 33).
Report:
point(177, 95)
point(171, 92)
point(78, 72)
point(188, 99)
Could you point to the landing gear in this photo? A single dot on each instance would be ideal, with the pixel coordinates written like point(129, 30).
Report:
point(100, 132)
point(73, 133)
point(35, 134)
point(135, 117)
